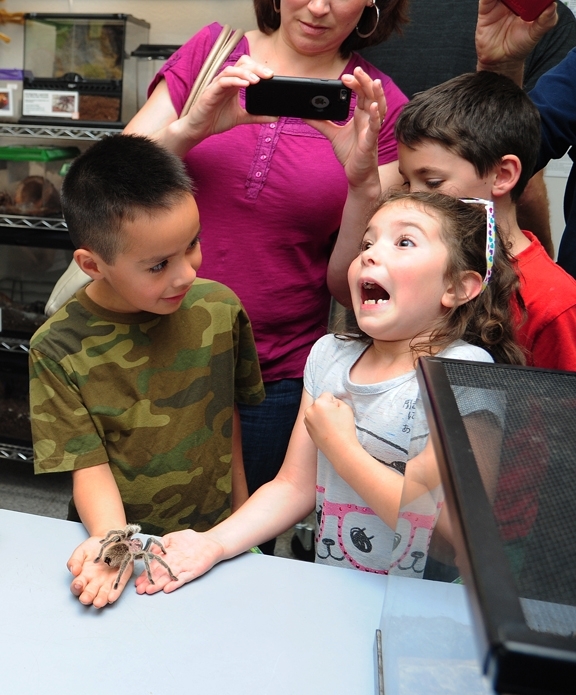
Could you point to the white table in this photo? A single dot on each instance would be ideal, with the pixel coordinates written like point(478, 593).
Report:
point(255, 625)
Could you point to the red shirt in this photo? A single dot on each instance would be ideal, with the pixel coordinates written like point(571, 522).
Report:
point(549, 332)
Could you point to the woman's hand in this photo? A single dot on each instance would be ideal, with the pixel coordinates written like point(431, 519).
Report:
point(504, 40)
point(356, 143)
point(218, 107)
point(216, 110)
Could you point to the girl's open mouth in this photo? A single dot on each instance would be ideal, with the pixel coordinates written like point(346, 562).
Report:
point(372, 293)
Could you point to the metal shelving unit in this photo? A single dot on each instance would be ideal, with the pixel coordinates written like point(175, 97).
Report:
point(58, 132)
point(43, 232)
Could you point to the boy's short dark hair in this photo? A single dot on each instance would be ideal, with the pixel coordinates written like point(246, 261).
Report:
point(115, 180)
point(479, 116)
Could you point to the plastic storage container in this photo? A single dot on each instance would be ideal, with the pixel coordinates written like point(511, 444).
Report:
point(11, 81)
point(149, 59)
point(31, 179)
point(81, 67)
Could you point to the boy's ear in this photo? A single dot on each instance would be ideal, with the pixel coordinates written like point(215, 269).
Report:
point(89, 262)
point(507, 173)
point(470, 286)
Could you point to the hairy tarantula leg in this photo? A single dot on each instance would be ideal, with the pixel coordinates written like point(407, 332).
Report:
point(144, 556)
point(105, 544)
point(164, 564)
point(156, 541)
point(110, 538)
point(123, 566)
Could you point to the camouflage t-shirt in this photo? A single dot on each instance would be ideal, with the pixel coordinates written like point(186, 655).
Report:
point(152, 395)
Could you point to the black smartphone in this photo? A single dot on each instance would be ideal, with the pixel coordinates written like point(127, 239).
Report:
point(299, 97)
point(527, 9)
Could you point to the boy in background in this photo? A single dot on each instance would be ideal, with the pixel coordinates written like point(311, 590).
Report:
point(477, 135)
point(133, 382)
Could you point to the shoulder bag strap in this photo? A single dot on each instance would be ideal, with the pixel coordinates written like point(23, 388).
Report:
point(220, 51)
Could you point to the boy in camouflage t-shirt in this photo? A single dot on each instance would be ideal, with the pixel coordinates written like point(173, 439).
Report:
point(133, 383)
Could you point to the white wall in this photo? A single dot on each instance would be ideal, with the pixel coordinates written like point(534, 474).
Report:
point(555, 176)
point(171, 21)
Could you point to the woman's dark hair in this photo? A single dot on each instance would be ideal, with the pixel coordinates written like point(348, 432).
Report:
point(393, 14)
point(487, 320)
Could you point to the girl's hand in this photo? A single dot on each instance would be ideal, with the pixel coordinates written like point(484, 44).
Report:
point(356, 143)
point(502, 37)
point(189, 554)
point(330, 424)
point(218, 108)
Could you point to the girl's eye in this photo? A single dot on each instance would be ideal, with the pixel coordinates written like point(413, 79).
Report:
point(157, 268)
point(434, 183)
point(405, 242)
point(365, 245)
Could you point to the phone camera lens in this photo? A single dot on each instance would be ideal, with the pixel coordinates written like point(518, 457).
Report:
point(320, 101)
point(343, 94)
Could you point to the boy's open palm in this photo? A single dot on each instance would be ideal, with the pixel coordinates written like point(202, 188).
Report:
point(93, 582)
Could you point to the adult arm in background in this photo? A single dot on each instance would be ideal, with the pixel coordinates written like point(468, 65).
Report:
point(503, 40)
point(552, 48)
point(555, 99)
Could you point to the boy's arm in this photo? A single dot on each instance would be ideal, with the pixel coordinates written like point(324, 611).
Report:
point(271, 510)
point(239, 485)
point(100, 507)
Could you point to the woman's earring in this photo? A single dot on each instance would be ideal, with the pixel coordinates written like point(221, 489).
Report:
point(365, 36)
point(276, 9)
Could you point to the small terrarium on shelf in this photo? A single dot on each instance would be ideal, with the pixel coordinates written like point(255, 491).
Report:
point(31, 179)
point(80, 67)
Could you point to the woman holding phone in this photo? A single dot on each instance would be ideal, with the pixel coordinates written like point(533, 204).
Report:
point(272, 192)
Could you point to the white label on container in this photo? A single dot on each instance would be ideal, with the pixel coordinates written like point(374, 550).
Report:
point(39, 102)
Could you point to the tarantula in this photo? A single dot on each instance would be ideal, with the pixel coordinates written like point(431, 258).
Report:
point(119, 548)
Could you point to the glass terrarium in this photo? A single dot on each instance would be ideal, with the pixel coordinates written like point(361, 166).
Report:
point(80, 67)
point(150, 58)
point(31, 179)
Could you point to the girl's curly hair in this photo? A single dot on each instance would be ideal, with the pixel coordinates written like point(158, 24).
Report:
point(487, 320)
